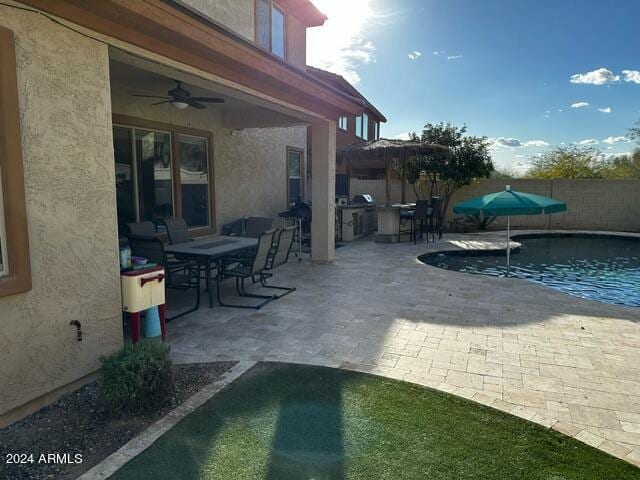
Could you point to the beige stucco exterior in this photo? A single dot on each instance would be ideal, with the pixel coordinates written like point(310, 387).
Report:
point(249, 164)
point(237, 15)
point(63, 83)
point(67, 99)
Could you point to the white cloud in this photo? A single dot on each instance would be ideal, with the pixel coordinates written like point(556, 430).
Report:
point(507, 142)
point(512, 143)
point(605, 110)
point(402, 136)
point(631, 76)
point(580, 105)
point(560, 110)
point(588, 141)
point(454, 57)
point(601, 76)
point(339, 45)
point(535, 143)
point(415, 55)
point(620, 139)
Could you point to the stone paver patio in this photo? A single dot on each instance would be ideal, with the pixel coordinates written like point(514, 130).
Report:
point(561, 361)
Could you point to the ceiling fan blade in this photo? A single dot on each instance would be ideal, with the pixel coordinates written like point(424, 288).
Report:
point(207, 99)
point(152, 96)
point(160, 103)
point(197, 105)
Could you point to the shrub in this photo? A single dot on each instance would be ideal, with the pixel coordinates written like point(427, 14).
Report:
point(136, 379)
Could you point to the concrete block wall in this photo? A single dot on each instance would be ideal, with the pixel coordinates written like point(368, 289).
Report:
point(592, 204)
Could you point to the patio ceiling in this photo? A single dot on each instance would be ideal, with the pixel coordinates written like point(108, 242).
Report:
point(135, 75)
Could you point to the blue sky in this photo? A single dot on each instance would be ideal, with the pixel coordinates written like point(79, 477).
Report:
point(527, 74)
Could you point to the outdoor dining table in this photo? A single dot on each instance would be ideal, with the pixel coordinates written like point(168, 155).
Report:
point(210, 250)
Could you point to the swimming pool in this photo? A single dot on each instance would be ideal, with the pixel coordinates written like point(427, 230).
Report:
point(597, 267)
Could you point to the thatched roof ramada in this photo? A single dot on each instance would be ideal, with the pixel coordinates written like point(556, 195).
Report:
point(386, 149)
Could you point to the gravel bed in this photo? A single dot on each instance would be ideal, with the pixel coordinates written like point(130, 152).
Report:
point(77, 424)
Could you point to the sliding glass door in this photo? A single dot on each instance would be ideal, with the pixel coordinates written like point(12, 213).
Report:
point(153, 167)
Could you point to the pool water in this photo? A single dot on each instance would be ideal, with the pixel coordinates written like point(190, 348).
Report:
point(603, 268)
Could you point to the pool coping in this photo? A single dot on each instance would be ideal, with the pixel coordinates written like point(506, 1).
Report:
point(500, 244)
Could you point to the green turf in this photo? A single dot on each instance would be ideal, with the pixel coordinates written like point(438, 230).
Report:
point(290, 422)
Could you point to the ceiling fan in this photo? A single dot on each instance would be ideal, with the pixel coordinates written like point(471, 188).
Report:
point(181, 98)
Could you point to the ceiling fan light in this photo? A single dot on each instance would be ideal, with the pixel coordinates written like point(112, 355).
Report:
point(179, 105)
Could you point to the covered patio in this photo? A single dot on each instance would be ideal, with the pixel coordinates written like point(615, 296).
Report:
point(563, 362)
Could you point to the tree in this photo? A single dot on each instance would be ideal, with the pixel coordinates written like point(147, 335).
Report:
point(568, 162)
point(442, 175)
point(623, 166)
point(634, 132)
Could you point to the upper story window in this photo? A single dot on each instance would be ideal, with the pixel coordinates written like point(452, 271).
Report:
point(377, 131)
point(271, 27)
point(359, 126)
point(365, 126)
point(342, 123)
point(277, 31)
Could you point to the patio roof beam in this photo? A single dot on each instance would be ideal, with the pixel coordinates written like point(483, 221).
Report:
point(239, 118)
point(169, 31)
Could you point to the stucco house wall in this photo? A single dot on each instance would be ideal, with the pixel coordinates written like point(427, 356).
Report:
point(237, 15)
point(591, 204)
point(63, 83)
point(250, 166)
point(66, 116)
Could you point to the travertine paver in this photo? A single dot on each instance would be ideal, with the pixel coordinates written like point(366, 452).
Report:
point(564, 362)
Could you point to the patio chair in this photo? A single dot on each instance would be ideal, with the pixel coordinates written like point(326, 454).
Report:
point(242, 268)
point(145, 229)
point(423, 216)
point(256, 226)
point(235, 228)
point(279, 256)
point(177, 230)
point(180, 275)
point(406, 216)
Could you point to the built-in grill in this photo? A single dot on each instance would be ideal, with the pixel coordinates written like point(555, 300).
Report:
point(362, 199)
point(356, 218)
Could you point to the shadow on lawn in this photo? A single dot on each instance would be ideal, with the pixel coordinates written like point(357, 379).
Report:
point(308, 442)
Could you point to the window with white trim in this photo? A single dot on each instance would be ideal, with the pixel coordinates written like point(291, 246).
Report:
point(342, 123)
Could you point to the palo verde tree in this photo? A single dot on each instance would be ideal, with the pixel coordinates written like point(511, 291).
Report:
point(568, 162)
point(441, 175)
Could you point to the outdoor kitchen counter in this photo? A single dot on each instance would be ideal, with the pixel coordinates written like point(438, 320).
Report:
point(389, 221)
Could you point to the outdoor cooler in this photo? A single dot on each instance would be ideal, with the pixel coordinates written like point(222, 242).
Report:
point(141, 290)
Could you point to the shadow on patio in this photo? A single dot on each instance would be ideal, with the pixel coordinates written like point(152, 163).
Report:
point(511, 344)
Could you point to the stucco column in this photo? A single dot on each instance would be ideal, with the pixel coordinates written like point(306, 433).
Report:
point(323, 191)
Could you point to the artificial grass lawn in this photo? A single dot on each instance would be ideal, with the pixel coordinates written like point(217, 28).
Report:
point(290, 422)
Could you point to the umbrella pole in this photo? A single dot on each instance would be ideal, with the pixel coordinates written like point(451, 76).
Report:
point(508, 240)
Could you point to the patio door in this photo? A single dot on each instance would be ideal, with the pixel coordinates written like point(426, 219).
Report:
point(144, 189)
point(295, 175)
point(161, 173)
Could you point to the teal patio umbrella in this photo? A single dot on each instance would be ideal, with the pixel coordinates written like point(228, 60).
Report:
point(508, 203)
